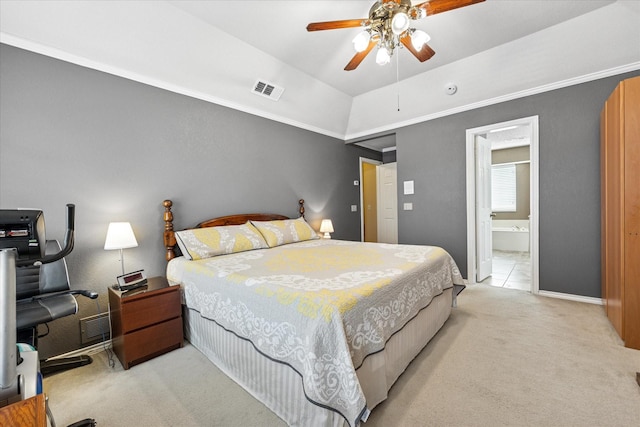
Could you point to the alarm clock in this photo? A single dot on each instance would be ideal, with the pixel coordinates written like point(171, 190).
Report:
point(131, 280)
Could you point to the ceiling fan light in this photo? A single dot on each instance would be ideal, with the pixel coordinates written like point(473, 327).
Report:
point(399, 23)
point(383, 57)
point(419, 38)
point(361, 41)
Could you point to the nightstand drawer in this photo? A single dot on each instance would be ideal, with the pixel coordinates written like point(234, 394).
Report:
point(146, 311)
point(149, 342)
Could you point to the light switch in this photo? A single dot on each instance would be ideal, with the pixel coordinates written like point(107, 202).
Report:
point(408, 206)
point(408, 187)
point(354, 208)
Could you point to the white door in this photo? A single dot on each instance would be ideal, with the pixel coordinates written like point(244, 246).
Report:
point(483, 208)
point(387, 203)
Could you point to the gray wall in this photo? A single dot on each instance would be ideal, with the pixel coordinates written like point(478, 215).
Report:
point(117, 148)
point(389, 156)
point(433, 155)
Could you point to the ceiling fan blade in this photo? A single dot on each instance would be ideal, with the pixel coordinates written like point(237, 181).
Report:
point(423, 54)
point(357, 59)
point(438, 6)
point(334, 25)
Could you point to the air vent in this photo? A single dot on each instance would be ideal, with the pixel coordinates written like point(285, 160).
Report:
point(267, 90)
point(94, 327)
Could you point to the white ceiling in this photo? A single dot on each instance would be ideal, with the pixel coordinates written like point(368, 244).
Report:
point(278, 28)
point(216, 50)
point(509, 137)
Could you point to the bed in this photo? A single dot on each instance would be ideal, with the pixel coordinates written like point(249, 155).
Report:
point(316, 329)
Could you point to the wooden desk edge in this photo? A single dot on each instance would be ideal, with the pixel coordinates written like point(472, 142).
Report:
point(25, 413)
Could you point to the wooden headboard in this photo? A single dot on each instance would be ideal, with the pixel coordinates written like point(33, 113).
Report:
point(238, 219)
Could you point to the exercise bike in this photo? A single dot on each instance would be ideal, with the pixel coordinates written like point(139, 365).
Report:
point(33, 290)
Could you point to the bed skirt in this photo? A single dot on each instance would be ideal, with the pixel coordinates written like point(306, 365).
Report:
point(279, 387)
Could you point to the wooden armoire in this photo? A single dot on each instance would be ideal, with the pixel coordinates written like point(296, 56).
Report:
point(620, 191)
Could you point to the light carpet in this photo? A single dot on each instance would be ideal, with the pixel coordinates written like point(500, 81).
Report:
point(504, 358)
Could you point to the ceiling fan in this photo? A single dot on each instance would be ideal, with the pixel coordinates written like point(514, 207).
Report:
point(388, 26)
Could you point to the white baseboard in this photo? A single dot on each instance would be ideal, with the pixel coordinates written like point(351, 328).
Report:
point(92, 349)
point(571, 297)
point(559, 295)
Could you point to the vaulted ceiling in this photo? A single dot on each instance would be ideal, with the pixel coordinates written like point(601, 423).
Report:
point(217, 50)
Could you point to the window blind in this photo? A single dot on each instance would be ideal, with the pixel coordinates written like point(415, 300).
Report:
point(503, 188)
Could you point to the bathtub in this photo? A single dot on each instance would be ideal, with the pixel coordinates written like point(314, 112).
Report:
point(510, 234)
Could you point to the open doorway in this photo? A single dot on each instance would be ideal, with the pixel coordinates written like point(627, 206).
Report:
point(378, 201)
point(502, 232)
point(368, 199)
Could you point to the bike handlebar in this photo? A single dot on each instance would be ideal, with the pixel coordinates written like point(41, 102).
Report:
point(69, 238)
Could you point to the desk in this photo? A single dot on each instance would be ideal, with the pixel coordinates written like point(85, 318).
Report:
point(26, 413)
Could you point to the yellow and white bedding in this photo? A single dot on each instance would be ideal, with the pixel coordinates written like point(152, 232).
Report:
point(320, 307)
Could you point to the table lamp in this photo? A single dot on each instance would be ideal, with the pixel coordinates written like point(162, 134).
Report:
point(326, 227)
point(120, 236)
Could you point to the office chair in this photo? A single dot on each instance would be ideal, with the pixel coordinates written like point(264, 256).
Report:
point(43, 295)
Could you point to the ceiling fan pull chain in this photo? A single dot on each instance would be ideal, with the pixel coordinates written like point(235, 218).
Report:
point(398, 79)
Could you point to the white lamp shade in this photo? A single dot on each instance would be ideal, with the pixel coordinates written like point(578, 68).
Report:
point(419, 38)
point(399, 23)
point(120, 236)
point(326, 226)
point(361, 41)
point(383, 57)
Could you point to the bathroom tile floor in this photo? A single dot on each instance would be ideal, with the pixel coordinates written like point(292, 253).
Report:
point(510, 270)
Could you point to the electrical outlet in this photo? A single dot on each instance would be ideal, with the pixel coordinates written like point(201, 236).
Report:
point(354, 208)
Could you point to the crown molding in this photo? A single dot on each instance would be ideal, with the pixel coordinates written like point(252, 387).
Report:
point(116, 71)
point(499, 99)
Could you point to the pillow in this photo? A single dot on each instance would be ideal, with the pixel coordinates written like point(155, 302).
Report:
point(200, 243)
point(281, 232)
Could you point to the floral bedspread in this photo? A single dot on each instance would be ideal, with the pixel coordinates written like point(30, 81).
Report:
point(319, 306)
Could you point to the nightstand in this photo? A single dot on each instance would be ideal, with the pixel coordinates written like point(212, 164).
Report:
point(145, 322)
